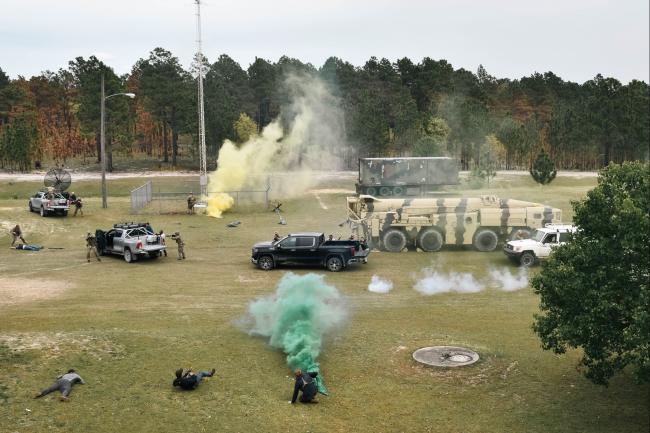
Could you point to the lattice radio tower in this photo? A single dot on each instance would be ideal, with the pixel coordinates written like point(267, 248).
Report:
point(203, 176)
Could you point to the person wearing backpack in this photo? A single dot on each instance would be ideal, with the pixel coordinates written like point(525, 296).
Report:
point(190, 380)
point(306, 383)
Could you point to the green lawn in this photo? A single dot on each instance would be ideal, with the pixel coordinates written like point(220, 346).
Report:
point(127, 327)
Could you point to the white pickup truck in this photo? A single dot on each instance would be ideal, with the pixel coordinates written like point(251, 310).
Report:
point(527, 252)
point(47, 203)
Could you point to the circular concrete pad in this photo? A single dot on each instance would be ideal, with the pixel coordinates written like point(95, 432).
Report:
point(445, 356)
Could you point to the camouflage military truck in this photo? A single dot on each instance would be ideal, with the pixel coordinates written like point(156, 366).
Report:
point(429, 223)
point(405, 177)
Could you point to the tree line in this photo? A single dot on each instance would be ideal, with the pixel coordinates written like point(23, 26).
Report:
point(397, 108)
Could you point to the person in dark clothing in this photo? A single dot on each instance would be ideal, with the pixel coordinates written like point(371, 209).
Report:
point(64, 384)
point(190, 380)
point(306, 383)
point(78, 204)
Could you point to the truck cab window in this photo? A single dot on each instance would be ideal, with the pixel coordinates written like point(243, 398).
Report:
point(305, 242)
point(288, 243)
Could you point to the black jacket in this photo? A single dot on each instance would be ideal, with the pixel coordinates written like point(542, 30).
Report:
point(307, 385)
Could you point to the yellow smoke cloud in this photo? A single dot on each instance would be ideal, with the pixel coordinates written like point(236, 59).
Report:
point(309, 142)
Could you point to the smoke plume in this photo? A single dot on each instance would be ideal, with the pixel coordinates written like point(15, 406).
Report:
point(379, 285)
point(504, 280)
point(308, 135)
point(297, 317)
point(434, 282)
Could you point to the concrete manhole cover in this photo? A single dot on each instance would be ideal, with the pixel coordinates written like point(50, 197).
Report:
point(445, 356)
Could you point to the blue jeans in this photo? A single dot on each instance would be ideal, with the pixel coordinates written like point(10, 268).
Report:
point(200, 375)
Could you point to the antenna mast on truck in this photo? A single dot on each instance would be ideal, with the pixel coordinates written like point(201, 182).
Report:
point(203, 171)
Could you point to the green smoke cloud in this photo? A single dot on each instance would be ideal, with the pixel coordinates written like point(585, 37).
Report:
point(297, 317)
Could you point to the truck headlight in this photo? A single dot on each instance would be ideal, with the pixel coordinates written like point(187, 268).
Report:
point(254, 250)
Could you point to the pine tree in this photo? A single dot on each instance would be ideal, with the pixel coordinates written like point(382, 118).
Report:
point(543, 169)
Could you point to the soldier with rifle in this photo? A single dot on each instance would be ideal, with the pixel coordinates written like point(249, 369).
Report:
point(179, 242)
point(91, 245)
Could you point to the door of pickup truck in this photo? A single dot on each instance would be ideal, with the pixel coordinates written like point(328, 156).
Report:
point(298, 250)
point(118, 240)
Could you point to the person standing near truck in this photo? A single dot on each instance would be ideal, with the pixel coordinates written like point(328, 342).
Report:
point(91, 245)
point(179, 242)
point(17, 233)
point(77, 206)
point(162, 237)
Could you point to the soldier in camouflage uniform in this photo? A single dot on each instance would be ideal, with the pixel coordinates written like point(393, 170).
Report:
point(179, 242)
point(17, 233)
point(91, 245)
point(191, 201)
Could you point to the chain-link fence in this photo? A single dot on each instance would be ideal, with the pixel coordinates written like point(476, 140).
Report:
point(141, 196)
point(152, 198)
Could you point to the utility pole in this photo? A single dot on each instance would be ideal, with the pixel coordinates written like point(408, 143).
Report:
point(103, 147)
point(203, 169)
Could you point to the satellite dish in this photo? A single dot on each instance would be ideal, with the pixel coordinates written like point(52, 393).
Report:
point(57, 178)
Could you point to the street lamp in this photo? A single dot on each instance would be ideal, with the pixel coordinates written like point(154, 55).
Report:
point(102, 142)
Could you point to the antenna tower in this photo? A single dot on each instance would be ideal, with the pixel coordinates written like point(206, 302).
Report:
point(203, 176)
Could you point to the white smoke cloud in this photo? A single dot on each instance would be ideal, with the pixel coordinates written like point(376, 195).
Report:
point(308, 135)
point(379, 285)
point(435, 282)
point(504, 280)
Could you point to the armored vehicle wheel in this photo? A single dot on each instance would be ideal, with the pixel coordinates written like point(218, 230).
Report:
point(398, 190)
point(520, 233)
point(527, 259)
point(486, 240)
point(394, 240)
point(334, 264)
point(265, 263)
point(385, 191)
point(128, 257)
point(430, 240)
point(371, 191)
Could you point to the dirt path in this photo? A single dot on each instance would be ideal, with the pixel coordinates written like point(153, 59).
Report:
point(23, 290)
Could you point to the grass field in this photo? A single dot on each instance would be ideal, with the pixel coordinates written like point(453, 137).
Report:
point(127, 327)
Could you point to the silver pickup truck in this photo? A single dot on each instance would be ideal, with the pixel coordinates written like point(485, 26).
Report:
point(132, 241)
point(47, 203)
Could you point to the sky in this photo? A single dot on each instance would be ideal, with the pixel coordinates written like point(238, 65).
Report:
point(575, 39)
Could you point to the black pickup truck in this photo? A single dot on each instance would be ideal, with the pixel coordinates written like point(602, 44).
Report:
point(309, 249)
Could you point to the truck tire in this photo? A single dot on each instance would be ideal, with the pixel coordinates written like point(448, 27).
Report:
point(527, 259)
point(430, 240)
point(128, 257)
point(265, 263)
point(65, 213)
point(334, 264)
point(43, 213)
point(154, 255)
point(385, 191)
point(394, 240)
point(31, 208)
point(486, 240)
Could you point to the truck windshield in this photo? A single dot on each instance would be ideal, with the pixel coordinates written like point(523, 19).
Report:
point(538, 235)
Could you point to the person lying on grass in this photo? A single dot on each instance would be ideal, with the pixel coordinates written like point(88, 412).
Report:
point(190, 380)
point(64, 384)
